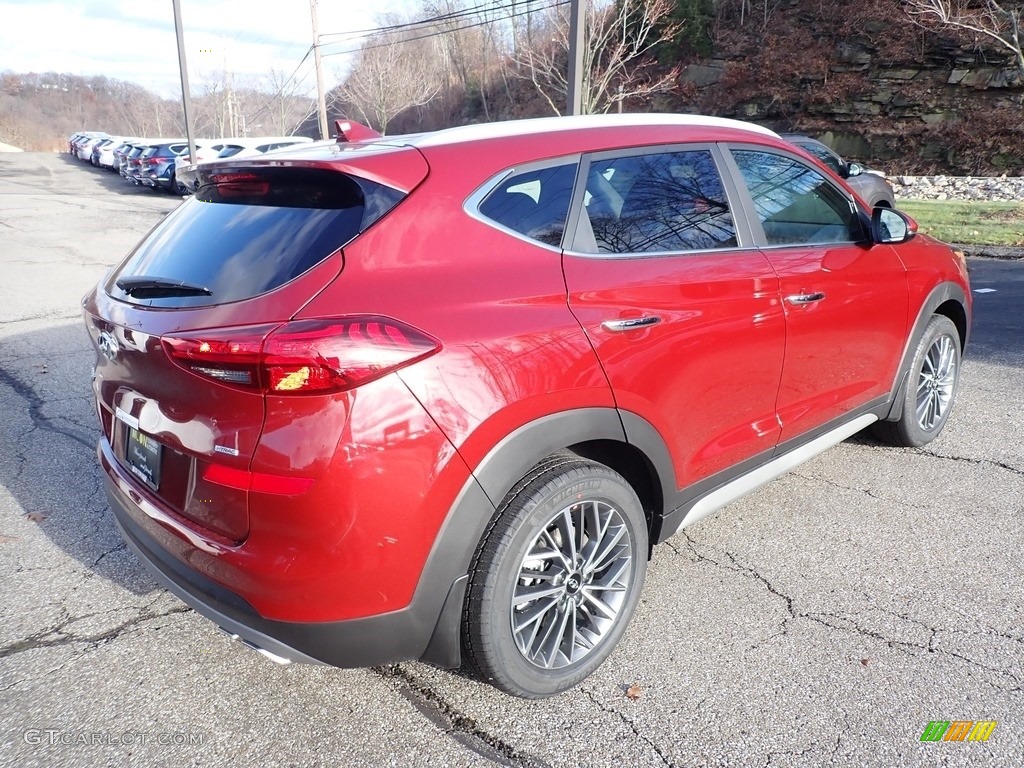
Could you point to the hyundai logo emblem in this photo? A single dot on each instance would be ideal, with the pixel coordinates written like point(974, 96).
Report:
point(108, 345)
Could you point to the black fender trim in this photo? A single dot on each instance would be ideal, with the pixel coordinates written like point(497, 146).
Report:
point(446, 574)
point(939, 295)
point(513, 457)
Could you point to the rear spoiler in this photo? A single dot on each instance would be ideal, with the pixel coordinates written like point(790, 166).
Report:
point(349, 130)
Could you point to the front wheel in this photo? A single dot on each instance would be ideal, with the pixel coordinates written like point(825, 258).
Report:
point(556, 579)
point(931, 387)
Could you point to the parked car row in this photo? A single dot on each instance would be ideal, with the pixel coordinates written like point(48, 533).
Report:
point(155, 162)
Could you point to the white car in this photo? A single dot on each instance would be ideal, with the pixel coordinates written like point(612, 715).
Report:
point(85, 147)
point(257, 145)
point(104, 152)
point(235, 146)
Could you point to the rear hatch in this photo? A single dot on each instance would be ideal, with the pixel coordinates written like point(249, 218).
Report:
point(179, 323)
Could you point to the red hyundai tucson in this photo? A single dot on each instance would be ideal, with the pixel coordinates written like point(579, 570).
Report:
point(437, 396)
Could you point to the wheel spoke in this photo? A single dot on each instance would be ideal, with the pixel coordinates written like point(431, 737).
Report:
point(567, 564)
point(602, 607)
point(567, 531)
point(533, 615)
point(525, 595)
point(608, 549)
point(613, 576)
point(548, 647)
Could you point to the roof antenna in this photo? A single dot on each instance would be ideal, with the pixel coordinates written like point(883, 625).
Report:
point(350, 130)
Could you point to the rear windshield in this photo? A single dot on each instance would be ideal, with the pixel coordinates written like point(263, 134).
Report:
point(249, 231)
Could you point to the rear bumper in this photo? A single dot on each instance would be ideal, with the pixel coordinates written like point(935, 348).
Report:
point(366, 642)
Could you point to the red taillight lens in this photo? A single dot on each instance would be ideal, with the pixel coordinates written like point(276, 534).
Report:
point(153, 161)
point(303, 356)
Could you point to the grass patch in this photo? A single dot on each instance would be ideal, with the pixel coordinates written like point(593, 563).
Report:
point(974, 222)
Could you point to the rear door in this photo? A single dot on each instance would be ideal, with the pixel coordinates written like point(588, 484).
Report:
point(845, 298)
point(683, 313)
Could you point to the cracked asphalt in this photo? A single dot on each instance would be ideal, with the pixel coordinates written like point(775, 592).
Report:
point(824, 620)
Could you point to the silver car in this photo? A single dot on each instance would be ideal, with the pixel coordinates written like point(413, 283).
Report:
point(870, 185)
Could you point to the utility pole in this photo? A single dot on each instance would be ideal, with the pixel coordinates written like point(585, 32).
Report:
point(186, 97)
point(229, 89)
point(320, 96)
point(577, 19)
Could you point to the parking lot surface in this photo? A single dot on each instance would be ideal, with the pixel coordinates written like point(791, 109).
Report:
point(824, 620)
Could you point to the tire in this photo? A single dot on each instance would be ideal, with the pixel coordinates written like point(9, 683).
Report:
point(589, 592)
point(931, 387)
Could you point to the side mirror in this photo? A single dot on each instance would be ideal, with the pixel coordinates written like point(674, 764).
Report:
point(889, 226)
point(854, 169)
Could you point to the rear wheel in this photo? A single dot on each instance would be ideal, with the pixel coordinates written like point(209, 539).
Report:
point(931, 387)
point(556, 578)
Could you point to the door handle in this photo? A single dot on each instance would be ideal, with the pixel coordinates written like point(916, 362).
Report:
point(630, 324)
point(805, 298)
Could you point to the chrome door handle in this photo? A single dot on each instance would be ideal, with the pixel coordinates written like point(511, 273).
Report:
point(805, 298)
point(630, 324)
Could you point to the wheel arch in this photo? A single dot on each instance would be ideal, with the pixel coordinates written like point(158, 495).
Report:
point(625, 442)
point(948, 299)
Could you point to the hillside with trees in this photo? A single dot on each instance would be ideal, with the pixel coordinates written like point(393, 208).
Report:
point(912, 86)
point(40, 111)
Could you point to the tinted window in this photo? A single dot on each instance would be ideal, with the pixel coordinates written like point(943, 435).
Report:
point(826, 156)
point(795, 203)
point(230, 150)
point(671, 201)
point(533, 203)
point(245, 234)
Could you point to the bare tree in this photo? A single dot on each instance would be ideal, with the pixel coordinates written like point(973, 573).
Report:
point(389, 76)
point(284, 110)
point(998, 21)
point(617, 61)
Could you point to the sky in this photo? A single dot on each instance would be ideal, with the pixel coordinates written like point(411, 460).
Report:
point(135, 41)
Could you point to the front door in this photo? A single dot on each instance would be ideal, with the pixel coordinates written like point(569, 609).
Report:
point(846, 299)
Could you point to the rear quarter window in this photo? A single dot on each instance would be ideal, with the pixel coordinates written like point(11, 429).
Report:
point(533, 203)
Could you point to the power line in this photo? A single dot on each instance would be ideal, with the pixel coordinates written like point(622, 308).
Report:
point(495, 5)
point(440, 32)
point(370, 33)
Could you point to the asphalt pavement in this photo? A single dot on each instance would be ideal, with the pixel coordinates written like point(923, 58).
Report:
point(824, 620)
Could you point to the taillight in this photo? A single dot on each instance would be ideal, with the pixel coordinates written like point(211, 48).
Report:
point(302, 356)
point(153, 161)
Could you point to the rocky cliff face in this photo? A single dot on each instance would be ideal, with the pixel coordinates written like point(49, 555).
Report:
point(870, 83)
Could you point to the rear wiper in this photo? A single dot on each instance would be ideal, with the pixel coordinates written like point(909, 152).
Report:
point(155, 287)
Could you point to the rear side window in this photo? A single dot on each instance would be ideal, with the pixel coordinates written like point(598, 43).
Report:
point(533, 203)
point(245, 233)
point(795, 204)
point(660, 202)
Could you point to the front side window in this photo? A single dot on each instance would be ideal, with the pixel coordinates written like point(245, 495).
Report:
point(796, 204)
point(826, 156)
point(663, 202)
point(533, 203)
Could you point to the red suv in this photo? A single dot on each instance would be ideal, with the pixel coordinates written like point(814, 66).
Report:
point(436, 397)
